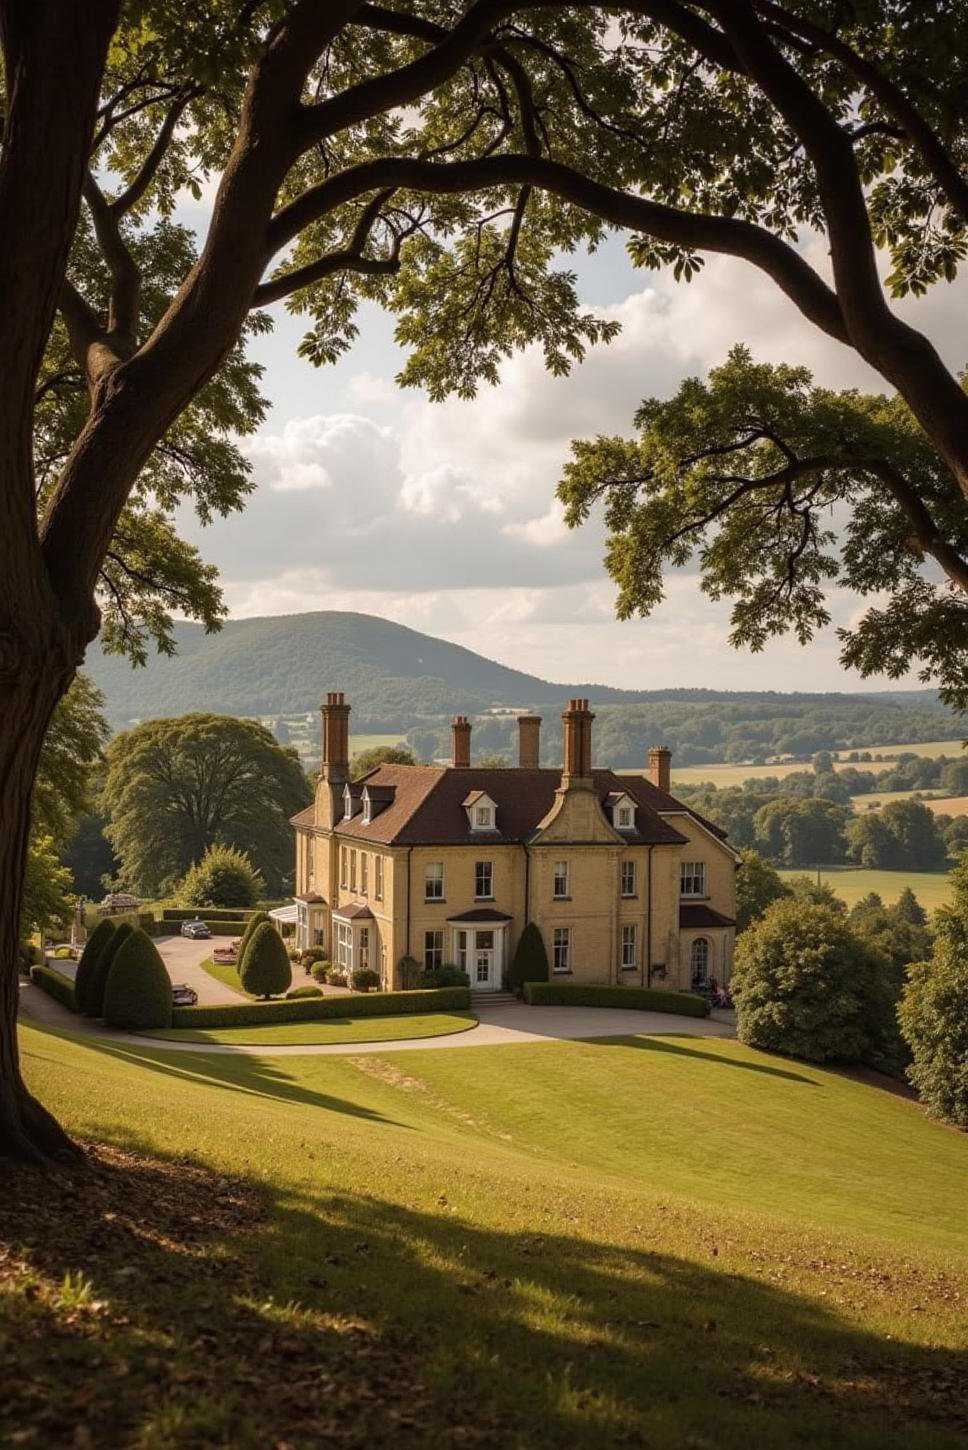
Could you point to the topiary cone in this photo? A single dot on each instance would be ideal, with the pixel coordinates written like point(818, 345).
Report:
point(93, 948)
point(256, 919)
point(265, 968)
point(102, 967)
point(137, 993)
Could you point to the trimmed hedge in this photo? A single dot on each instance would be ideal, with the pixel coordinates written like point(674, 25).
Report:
point(55, 984)
point(96, 943)
point(240, 914)
point(137, 993)
point(323, 1009)
point(640, 999)
point(216, 927)
point(91, 999)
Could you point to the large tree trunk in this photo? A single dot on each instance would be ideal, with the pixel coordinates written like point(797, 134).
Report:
point(29, 690)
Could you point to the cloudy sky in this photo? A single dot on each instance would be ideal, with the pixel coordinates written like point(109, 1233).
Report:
point(443, 516)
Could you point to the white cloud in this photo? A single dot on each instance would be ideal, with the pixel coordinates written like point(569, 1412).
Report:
point(444, 516)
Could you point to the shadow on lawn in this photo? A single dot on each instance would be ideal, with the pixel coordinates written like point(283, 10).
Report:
point(261, 1077)
point(216, 1316)
point(662, 1044)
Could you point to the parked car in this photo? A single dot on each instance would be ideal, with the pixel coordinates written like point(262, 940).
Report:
point(196, 929)
point(183, 996)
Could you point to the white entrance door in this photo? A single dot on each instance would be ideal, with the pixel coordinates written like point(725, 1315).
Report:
point(483, 979)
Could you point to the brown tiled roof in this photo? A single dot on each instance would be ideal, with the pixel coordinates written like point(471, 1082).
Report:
point(427, 807)
point(304, 818)
point(696, 913)
point(313, 898)
point(660, 800)
point(356, 912)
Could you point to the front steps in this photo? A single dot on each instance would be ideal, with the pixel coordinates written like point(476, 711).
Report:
point(493, 999)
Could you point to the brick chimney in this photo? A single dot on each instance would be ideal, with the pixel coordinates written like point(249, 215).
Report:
point(461, 733)
point(660, 766)
point(577, 721)
point(336, 738)
point(529, 741)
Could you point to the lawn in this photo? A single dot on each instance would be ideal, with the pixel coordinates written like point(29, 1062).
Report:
point(334, 1032)
point(225, 973)
point(660, 1242)
point(932, 888)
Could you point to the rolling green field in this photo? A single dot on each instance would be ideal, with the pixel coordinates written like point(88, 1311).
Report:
point(661, 1242)
point(932, 888)
point(335, 1032)
point(728, 775)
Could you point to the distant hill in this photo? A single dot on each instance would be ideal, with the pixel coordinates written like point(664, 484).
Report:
point(398, 679)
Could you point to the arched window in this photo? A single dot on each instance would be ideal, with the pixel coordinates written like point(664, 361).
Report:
point(699, 961)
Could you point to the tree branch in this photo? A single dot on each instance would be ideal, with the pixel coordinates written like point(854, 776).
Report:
point(727, 235)
point(139, 184)
point(125, 274)
point(923, 526)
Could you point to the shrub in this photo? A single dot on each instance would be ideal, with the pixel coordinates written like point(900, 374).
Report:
point(59, 987)
point(92, 1003)
point(138, 989)
point(223, 877)
point(642, 999)
point(312, 954)
point(265, 969)
point(934, 1011)
point(320, 970)
point(806, 986)
point(410, 970)
point(335, 976)
point(530, 961)
point(28, 955)
point(93, 948)
point(323, 1009)
point(364, 979)
point(258, 918)
point(448, 975)
point(297, 993)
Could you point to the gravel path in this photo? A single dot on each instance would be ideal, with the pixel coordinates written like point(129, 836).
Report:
point(503, 1026)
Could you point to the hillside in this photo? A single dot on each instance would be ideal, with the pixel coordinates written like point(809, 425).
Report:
point(397, 678)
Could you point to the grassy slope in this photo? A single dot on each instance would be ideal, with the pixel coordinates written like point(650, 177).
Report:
point(932, 888)
point(663, 1242)
point(365, 1029)
point(227, 974)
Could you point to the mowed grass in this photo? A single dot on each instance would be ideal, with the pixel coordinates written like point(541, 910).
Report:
point(663, 1242)
point(728, 775)
point(226, 973)
point(932, 888)
point(333, 1033)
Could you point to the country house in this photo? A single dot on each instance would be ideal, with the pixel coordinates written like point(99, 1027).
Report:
point(448, 864)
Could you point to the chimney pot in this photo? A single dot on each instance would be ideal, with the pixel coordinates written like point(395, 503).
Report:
point(461, 735)
point(529, 742)
point(336, 737)
point(660, 767)
point(577, 721)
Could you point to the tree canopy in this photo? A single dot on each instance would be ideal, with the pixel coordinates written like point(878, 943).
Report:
point(176, 788)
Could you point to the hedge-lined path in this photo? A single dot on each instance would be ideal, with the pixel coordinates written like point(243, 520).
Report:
point(501, 1027)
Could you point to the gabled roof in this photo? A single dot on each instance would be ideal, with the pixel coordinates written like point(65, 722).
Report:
point(428, 806)
point(355, 912)
point(312, 898)
point(483, 913)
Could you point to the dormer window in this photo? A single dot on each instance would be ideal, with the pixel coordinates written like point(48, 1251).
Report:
point(481, 811)
point(623, 811)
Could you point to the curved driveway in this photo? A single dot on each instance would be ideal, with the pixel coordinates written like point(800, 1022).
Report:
point(497, 1027)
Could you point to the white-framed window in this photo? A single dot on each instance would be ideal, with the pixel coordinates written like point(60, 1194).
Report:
point(561, 949)
point(344, 866)
point(628, 962)
point(352, 870)
point(433, 950)
point(699, 961)
point(624, 821)
point(319, 938)
point(484, 880)
point(628, 878)
point(460, 943)
point(562, 887)
point(378, 877)
point(344, 945)
point(364, 952)
point(364, 872)
point(692, 878)
point(434, 881)
point(483, 818)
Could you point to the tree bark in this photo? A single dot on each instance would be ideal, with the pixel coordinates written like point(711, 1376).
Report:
point(32, 680)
